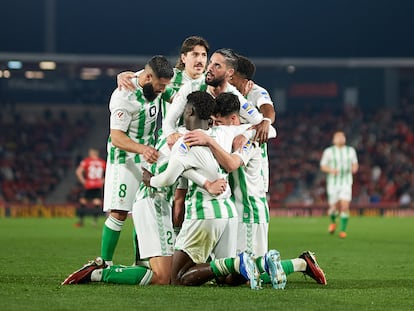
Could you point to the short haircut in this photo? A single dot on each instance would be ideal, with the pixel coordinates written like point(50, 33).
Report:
point(245, 67)
point(226, 104)
point(230, 57)
point(161, 67)
point(203, 103)
point(188, 45)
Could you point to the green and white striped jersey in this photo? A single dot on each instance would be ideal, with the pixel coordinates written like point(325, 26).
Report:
point(164, 193)
point(342, 160)
point(248, 187)
point(133, 114)
point(259, 96)
point(179, 79)
point(248, 113)
point(199, 203)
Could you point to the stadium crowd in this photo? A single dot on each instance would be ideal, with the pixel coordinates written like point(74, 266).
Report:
point(35, 154)
point(384, 140)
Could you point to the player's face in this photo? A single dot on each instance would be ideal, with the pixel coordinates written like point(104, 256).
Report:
point(339, 139)
point(227, 120)
point(195, 61)
point(217, 70)
point(160, 85)
point(155, 87)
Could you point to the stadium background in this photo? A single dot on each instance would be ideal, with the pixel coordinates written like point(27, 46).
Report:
point(327, 65)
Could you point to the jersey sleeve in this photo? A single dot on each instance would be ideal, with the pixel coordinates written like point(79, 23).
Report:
point(176, 110)
point(354, 159)
point(177, 164)
point(248, 113)
point(169, 176)
point(246, 152)
point(120, 115)
point(325, 158)
point(194, 176)
point(261, 96)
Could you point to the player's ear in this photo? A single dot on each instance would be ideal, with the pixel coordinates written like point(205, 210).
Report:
point(192, 111)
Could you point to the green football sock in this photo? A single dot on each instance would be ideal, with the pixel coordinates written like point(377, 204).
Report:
point(287, 266)
point(110, 236)
point(127, 275)
point(224, 266)
point(333, 217)
point(265, 278)
point(344, 222)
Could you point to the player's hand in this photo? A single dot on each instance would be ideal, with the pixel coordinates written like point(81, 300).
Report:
point(150, 154)
point(239, 141)
point(262, 131)
point(248, 87)
point(197, 138)
point(123, 80)
point(216, 187)
point(146, 177)
point(334, 171)
point(172, 138)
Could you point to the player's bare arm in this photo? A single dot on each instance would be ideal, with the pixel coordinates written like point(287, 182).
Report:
point(122, 141)
point(262, 129)
point(329, 170)
point(216, 187)
point(229, 162)
point(172, 138)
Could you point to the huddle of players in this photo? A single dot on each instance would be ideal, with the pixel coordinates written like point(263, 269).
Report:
point(225, 219)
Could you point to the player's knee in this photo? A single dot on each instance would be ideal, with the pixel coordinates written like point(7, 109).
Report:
point(120, 215)
point(161, 279)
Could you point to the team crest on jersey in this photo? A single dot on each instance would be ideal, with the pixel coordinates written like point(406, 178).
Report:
point(184, 147)
point(248, 107)
point(120, 115)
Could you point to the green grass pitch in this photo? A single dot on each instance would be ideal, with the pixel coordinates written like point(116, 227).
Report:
point(373, 269)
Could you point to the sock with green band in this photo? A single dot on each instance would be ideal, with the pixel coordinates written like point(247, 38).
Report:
point(225, 266)
point(126, 275)
point(110, 236)
point(344, 221)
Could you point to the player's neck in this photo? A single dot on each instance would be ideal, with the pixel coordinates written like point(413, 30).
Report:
point(197, 125)
point(216, 91)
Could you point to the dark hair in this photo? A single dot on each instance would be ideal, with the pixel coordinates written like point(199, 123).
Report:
point(245, 67)
point(203, 103)
point(230, 57)
point(161, 67)
point(226, 104)
point(188, 45)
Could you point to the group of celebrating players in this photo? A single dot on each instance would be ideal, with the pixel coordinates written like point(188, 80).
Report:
point(187, 157)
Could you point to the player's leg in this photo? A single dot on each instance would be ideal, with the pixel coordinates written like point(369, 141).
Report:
point(121, 185)
point(178, 209)
point(181, 262)
point(333, 200)
point(97, 209)
point(161, 268)
point(343, 217)
point(155, 237)
point(194, 245)
point(81, 211)
point(97, 271)
point(111, 232)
